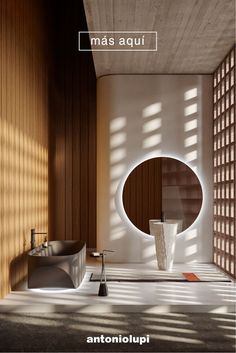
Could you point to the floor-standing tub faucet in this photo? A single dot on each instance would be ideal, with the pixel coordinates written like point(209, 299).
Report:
point(103, 290)
point(33, 233)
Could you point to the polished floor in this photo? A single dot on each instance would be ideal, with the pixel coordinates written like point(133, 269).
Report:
point(68, 332)
point(154, 297)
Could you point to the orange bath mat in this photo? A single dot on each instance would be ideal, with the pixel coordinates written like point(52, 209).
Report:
point(191, 277)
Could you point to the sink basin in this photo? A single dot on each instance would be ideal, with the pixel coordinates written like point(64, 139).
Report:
point(169, 220)
point(178, 221)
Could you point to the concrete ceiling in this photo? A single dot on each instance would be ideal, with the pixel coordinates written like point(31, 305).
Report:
point(193, 35)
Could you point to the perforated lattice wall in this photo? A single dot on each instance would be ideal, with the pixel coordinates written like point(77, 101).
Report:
point(225, 165)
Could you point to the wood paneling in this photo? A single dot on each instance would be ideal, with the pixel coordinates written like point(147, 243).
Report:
point(72, 129)
point(43, 76)
point(193, 35)
point(142, 195)
point(225, 164)
point(23, 134)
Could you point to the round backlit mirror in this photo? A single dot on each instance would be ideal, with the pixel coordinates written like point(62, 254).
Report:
point(162, 189)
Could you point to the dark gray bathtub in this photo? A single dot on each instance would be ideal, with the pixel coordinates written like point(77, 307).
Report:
point(61, 265)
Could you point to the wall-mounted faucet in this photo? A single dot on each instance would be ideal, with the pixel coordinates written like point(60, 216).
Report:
point(33, 233)
point(163, 217)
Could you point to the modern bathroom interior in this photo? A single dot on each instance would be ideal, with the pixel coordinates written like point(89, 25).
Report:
point(117, 176)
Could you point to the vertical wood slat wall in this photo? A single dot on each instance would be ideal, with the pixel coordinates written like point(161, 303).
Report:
point(142, 194)
point(72, 136)
point(23, 135)
point(224, 239)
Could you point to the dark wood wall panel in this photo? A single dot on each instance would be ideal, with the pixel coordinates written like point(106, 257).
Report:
point(23, 134)
point(142, 194)
point(225, 165)
point(72, 129)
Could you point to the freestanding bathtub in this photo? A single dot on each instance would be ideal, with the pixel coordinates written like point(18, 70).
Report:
point(61, 265)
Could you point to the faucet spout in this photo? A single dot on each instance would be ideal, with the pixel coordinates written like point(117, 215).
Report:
point(32, 238)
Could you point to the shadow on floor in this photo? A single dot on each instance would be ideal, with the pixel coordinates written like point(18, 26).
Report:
point(68, 332)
